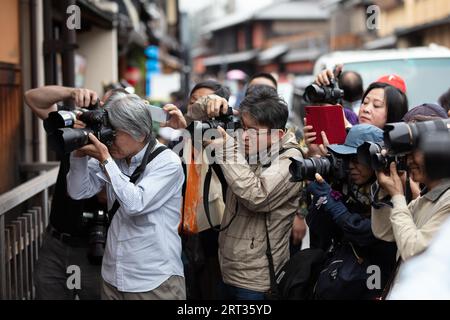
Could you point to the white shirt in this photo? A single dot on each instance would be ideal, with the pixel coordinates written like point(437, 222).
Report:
point(143, 248)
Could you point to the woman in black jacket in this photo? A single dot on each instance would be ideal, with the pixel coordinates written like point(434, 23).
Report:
point(358, 264)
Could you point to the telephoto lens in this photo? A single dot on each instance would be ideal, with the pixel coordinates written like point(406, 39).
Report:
point(436, 150)
point(403, 138)
point(305, 168)
point(66, 140)
point(59, 119)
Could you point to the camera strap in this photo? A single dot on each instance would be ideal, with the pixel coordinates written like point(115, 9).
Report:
point(377, 203)
point(274, 291)
point(148, 157)
point(272, 276)
point(206, 187)
point(218, 170)
point(408, 191)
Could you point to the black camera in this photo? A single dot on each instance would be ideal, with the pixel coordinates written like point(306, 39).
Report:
point(328, 167)
point(63, 138)
point(370, 155)
point(225, 121)
point(323, 94)
point(97, 223)
point(402, 138)
point(436, 150)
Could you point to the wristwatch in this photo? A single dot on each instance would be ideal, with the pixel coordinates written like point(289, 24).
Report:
point(102, 164)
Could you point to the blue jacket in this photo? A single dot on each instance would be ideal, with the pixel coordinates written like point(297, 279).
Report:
point(330, 220)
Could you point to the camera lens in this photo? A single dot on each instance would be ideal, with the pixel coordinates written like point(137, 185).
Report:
point(314, 93)
point(401, 138)
point(305, 169)
point(59, 119)
point(67, 140)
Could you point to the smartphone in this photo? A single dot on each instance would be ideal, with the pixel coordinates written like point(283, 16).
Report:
point(158, 114)
point(329, 119)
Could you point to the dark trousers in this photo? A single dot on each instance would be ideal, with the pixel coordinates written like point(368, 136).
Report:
point(235, 293)
point(201, 266)
point(51, 275)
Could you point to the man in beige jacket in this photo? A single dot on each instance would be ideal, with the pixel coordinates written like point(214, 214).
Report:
point(259, 193)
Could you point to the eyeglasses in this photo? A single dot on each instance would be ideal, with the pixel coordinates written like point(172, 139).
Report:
point(255, 132)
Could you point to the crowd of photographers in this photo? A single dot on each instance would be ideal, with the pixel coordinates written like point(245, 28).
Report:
point(220, 211)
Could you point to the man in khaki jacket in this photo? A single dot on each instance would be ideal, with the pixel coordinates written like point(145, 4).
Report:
point(259, 192)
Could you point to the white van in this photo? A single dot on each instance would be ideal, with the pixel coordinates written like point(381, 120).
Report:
point(426, 70)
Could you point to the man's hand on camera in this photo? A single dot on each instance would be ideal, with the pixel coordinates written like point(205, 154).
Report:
point(391, 183)
point(95, 150)
point(176, 119)
point(79, 124)
point(414, 186)
point(210, 106)
point(83, 97)
point(220, 141)
point(215, 106)
point(324, 77)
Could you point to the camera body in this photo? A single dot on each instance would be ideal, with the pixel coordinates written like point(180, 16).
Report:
point(400, 139)
point(369, 154)
point(226, 121)
point(323, 94)
point(63, 138)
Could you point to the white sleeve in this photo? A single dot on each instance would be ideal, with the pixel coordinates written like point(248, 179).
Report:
point(82, 179)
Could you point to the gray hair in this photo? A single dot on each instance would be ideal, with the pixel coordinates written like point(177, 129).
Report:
point(130, 113)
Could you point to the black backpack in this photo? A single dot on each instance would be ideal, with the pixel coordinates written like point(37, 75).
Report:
point(343, 276)
point(296, 279)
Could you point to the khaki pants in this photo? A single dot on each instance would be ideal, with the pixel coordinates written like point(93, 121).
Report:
point(173, 288)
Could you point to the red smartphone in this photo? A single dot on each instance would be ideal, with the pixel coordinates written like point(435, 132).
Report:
point(329, 119)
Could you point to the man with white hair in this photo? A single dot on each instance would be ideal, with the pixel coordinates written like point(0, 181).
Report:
point(142, 257)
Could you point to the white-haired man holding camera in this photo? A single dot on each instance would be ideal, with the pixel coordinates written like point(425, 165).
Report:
point(143, 250)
